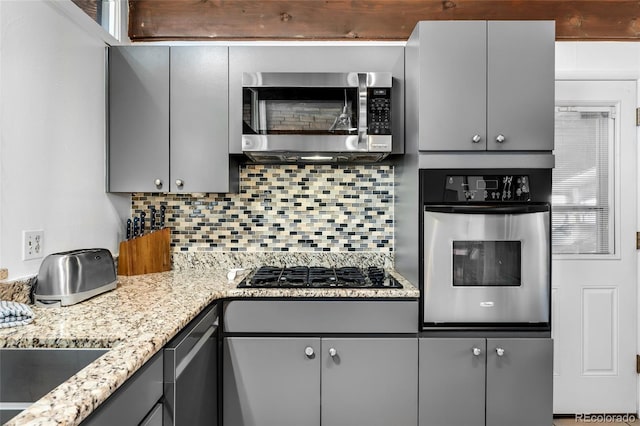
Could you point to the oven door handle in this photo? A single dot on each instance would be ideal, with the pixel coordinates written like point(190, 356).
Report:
point(489, 209)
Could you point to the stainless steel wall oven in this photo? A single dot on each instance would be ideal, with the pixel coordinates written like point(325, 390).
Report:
point(485, 248)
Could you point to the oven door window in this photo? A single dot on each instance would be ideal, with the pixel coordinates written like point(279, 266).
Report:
point(487, 263)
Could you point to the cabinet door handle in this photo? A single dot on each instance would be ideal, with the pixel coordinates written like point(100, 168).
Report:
point(308, 351)
point(333, 352)
point(179, 183)
point(476, 139)
point(500, 351)
point(500, 138)
point(477, 351)
point(158, 183)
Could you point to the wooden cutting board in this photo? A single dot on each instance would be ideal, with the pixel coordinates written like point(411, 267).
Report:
point(146, 254)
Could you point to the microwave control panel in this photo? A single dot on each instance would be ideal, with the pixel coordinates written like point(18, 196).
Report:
point(379, 111)
point(494, 188)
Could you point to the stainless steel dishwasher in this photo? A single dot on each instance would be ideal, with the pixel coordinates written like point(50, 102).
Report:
point(190, 373)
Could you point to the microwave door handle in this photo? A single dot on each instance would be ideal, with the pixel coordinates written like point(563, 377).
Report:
point(362, 110)
point(490, 209)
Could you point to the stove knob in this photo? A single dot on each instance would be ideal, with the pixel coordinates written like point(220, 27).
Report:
point(477, 351)
point(333, 352)
point(499, 351)
point(308, 351)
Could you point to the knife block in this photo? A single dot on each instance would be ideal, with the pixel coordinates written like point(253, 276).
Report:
point(146, 254)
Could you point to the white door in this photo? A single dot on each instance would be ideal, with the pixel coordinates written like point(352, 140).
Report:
point(594, 298)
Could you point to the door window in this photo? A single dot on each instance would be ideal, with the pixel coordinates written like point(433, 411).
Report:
point(582, 199)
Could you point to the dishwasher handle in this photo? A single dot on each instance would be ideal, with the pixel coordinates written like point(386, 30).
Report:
point(184, 362)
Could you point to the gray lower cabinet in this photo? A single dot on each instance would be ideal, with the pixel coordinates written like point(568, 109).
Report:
point(168, 119)
point(154, 418)
point(452, 381)
point(302, 381)
point(136, 401)
point(492, 382)
point(523, 377)
point(369, 381)
point(271, 381)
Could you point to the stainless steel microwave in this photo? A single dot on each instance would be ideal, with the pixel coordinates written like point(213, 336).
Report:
point(316, 117)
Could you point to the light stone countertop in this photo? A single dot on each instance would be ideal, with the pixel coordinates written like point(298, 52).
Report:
point(135, 321)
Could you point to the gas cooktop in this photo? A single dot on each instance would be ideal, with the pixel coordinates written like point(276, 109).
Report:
point(319, 277)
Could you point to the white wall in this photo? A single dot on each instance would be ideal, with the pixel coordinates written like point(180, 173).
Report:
point(598, 60)
point(52, 136)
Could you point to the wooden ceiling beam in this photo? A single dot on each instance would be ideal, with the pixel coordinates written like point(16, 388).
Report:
point(367, 19)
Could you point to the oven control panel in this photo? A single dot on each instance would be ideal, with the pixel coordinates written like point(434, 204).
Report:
point(489, 188)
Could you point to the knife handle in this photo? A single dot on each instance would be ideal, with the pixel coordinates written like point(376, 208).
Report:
point(128, 229)
point(152, 219)
point(162, 210)
point(142, 216)
point(136, 226)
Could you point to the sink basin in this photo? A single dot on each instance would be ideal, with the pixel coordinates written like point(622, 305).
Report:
point(29, 374)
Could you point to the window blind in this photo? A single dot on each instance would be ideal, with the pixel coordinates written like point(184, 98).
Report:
point(582, 181)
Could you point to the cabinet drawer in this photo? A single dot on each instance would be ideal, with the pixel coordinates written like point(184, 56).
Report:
point(137, 396)
point(321, 316)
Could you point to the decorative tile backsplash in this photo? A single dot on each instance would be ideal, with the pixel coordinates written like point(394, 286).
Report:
point(285, 208)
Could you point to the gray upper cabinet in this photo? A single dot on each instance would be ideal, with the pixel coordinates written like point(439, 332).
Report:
point(315, 59)
point(138, 118)
point(450, 102)
point(199, 119)
point(520, 85)
point(168, 122)
point(481, 85)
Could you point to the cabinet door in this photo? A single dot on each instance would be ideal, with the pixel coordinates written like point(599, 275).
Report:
point(519, 382)
point(154, 418)
point(138, 119)
point(452, 380)
point(271, 382)
point(369, 382)
point(520, 85)
point(452, 85)
point(199, 148)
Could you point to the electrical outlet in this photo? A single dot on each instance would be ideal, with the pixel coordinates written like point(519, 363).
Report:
point(32, 244)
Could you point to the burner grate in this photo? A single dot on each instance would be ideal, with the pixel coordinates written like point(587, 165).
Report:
point(320, 277)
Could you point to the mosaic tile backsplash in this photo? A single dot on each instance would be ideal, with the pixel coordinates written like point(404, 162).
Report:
point(292, 208)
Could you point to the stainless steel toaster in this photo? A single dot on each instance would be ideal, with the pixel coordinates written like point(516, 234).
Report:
point(73, 276)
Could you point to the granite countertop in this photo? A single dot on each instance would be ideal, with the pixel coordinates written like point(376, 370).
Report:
point(135, 321)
